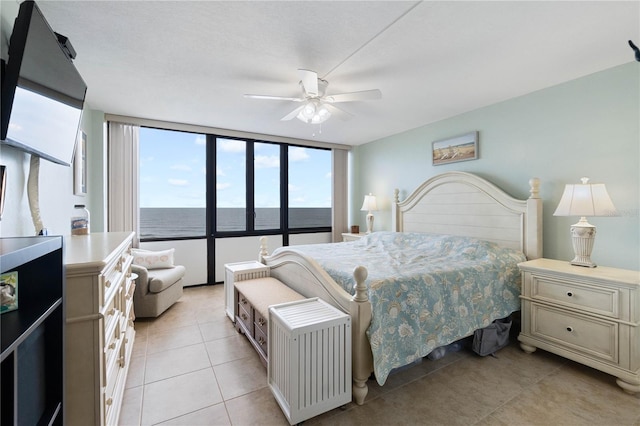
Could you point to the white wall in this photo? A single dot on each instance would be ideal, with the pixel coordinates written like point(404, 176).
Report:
point(585, 127)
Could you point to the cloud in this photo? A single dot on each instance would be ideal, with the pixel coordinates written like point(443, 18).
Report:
point(266, 161)
point(298, 154)
point(201, 140)
point(220, 172)
point(294, 188)
point(178, 182)
point(230, 145)
point(223, 186)
point(328, 175)
point(182, 167)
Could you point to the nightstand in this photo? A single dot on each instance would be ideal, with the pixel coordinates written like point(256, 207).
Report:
point(589, 315)
point(348, 236)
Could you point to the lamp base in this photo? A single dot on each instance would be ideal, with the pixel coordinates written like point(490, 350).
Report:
point(369, 222)
point(583, 236)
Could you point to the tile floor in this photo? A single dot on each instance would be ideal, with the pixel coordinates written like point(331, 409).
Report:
point(190, 368)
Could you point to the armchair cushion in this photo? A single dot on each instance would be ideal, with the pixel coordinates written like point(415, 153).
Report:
point(153, 259)
point(161, 279)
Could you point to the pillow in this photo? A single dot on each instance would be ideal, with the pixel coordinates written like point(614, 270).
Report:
point(153, 259)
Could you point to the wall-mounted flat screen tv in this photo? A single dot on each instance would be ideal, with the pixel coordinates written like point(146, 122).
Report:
point(42, 92)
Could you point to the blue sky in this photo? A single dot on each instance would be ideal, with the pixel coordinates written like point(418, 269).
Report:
point(173, 172)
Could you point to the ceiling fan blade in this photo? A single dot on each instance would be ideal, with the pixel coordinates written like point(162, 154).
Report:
point(275, 98)
point(309, 81)
point(337, 112)
point(292, 114)
point(365, 95)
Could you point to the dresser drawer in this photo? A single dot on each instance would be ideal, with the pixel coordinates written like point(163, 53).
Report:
point(578, 332)
point(261, 340)
point(260, 322)
point(245, 312)
point(594, 299)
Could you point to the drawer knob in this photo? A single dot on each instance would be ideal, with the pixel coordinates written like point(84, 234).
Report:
point(261, 340)
point(569, 294)
point(109, 401)
point(111, 311)
point(107, 283)
point(244, 316)
point(570, 329)
point(244, 301)
point(261, 322)
point(112, 345)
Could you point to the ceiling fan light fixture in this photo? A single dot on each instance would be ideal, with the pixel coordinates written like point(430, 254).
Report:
point(314, 112)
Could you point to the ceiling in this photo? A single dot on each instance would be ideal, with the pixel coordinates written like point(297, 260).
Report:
point(191, 62)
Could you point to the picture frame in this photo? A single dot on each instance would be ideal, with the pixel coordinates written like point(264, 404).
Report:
point(452, 150)
point(3, 188)
point(8, 292)
point(80, 165)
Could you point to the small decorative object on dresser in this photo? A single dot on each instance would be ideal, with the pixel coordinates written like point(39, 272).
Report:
point(591, 316)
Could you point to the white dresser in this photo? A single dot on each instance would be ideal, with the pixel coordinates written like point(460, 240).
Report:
point(589, 315)
point(99, 330)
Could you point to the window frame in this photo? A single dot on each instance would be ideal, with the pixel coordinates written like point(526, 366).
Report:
point(211, 193)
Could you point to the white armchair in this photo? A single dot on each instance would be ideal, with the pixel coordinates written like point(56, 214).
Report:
point(159, 283)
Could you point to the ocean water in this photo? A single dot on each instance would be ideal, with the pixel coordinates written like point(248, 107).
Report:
point(191, 222)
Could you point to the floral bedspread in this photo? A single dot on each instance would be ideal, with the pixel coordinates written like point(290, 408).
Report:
point(426, 290)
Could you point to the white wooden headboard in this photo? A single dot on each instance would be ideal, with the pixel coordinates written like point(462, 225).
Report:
point(464, 204)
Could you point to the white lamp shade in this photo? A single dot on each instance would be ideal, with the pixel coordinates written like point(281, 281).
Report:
point(586, 199)
point(369, 203)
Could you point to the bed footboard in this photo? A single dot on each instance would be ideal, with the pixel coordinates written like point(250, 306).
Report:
point(305, 276)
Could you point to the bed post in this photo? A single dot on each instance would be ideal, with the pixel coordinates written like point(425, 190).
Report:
point(533, 232)
point(264, 249)
point(362, 362)
point(395, 226)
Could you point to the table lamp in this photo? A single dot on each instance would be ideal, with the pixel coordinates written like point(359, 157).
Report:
point(585, 199)
point(369, 205)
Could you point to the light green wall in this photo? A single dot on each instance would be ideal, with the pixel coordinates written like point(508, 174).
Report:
point(585, 127)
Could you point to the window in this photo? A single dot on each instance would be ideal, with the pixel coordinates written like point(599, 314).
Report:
point(172, 184)
point(309, 187)
point(266, 185)
point(231, 185)
point(260, 186)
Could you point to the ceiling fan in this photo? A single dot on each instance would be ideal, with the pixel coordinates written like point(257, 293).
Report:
point(317, 106)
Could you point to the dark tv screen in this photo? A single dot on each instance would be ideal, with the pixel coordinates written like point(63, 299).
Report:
point(42, 92)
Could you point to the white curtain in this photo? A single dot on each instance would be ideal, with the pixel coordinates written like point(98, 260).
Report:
point(339, 220)
point(123, 178)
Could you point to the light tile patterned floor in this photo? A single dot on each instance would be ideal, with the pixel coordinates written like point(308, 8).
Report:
point(191, 368)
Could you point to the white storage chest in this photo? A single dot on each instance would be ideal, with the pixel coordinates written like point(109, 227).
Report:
point(240, 271)
point(309, 367)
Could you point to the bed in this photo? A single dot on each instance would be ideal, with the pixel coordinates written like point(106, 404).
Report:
point(455, 219)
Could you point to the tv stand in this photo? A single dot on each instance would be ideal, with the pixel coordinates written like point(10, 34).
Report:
point(32, 355)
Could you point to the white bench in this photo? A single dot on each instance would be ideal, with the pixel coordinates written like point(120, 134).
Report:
point(252, 300)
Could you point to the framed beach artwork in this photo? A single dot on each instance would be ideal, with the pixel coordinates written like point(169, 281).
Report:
point(80, 165)
point(458, 148)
